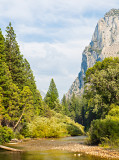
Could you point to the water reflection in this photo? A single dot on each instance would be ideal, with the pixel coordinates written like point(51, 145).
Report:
point(45, 155)
point(6, 155)
point(41, 150)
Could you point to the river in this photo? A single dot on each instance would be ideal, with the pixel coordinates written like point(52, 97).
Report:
point(46, 149)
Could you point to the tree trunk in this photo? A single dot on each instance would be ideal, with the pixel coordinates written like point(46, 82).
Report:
point(19, 119)
point(10, 149)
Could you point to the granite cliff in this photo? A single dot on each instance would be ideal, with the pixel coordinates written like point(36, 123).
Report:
point(104, 43)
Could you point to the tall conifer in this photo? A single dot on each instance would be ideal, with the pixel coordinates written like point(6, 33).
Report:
point(52, 95)
point(2, 47)
point(13, 57)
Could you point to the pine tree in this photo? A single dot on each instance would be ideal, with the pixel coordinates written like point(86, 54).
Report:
point(75, 108)
point(29, 78)
point(52, 95)
point(5, 82)
point(19, 98)
point(30, 82)
point(65, 105)
point(14, 105)
point(2, 110)
point(10, 96)
point(38, 105)
point(2, 47)
point(27, 109)
point(13, 57)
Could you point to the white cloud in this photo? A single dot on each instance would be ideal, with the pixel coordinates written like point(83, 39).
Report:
point(60, 61)
point(51, 10)
point(53, 33)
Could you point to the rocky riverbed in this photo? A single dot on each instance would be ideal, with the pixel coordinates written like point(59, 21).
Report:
point(71, 144)
point(91, 150)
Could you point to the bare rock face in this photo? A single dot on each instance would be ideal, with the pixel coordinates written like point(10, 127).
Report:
point(104, 43)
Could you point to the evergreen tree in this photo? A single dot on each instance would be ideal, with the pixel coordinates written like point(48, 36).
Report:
point(27, 103)
point(3, 76)
point(13, 58)
point(10, 96)
point(5, 82)
point(58, 107)
point(65, 106)
point(27, 109)
point(30, 82)
point(2, 47)
point(1, 106)
point(75, 108)
point(29, 79)
point(72, 107)
point(52, 95)
point(14, 105)
point(38, 106)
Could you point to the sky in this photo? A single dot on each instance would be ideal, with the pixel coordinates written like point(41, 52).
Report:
point(52, 35)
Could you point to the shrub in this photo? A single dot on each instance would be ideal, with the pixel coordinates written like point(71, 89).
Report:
point(103, 130)
point(56, 126)
point(6, 134)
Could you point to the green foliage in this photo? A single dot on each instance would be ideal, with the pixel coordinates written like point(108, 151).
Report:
point(58, 107)
point(64, 103)
point(19, 98)
point(5, 82)
point(2, 110)
point(74, 129)
point(56, 126)
point(13, 109)
point(6, 134)
point(29, 80)
point(21, 103)
point(74, 108)
point(27, 103)
point(52, 95)
point(114, 110)
point(104, 129)
point(102, 108)
point(14, 59)
point(2, 47)
point(102, 88)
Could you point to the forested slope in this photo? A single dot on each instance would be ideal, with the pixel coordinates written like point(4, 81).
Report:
point(21, 104)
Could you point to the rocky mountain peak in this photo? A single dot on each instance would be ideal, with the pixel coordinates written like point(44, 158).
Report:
point(104, 43)
point(112, 12)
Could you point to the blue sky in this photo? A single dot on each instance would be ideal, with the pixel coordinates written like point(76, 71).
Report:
point(52, 35)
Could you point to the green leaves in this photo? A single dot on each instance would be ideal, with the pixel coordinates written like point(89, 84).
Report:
point(2, 47)
point(102, 93)
point(57, 126)
point(6, 134)
point(19, 98)
point(102, 87)
point(105, 130)
point(14, 59)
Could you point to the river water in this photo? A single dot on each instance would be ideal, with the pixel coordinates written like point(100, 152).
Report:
point(43, 150)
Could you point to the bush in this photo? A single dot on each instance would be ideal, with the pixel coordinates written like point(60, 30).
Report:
point(56, 126)
point(103, 131)
point(19, 136)
point(6, 134)
point(74, 130)
point(44, 127)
